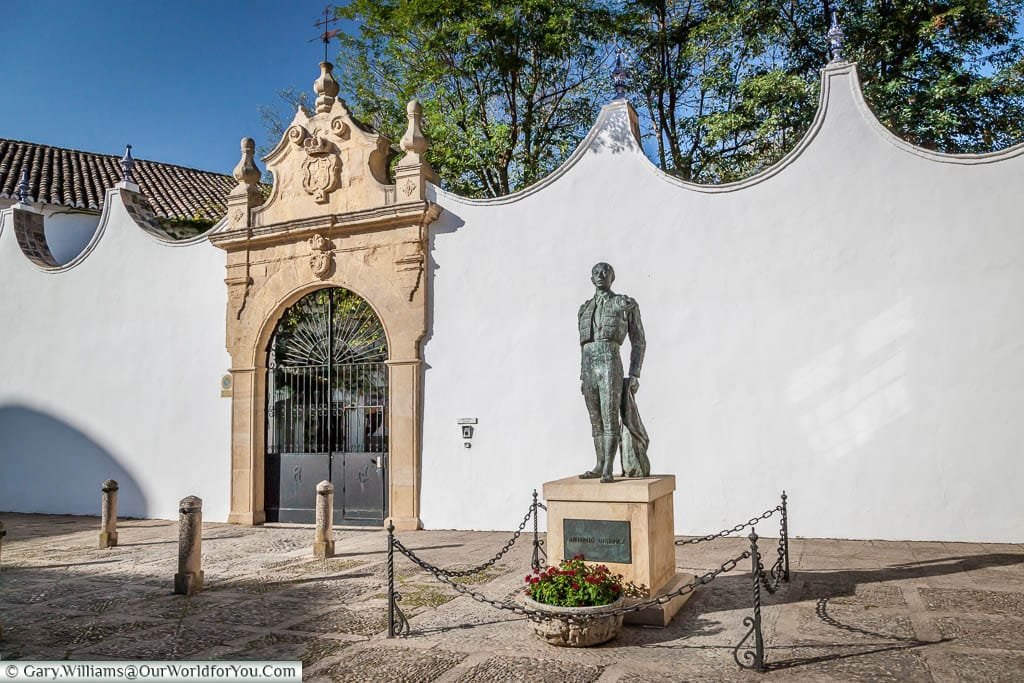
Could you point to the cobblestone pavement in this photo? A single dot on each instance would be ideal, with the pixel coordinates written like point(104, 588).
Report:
point(854, 611)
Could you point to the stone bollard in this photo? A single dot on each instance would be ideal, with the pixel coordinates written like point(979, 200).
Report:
point(108, 515)
point(189, 578)
point(323, 545)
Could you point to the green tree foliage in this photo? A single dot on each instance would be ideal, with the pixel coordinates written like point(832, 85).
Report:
point(717, 85)
point(943, 75)
point(506, 85)
point(731, 85)
point(724, 87)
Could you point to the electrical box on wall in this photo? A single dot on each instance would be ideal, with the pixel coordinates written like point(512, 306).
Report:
point(467, 430)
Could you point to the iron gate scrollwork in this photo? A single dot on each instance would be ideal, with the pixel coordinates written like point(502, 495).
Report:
point(327, 409)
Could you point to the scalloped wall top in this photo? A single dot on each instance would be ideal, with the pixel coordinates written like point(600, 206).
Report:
point(616, 131)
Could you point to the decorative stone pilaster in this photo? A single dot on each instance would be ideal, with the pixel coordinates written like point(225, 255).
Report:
point(245, 197)
point(411, 177)
point(323, 546)
point(405, 414)
point(189, 578)
point(108, 514)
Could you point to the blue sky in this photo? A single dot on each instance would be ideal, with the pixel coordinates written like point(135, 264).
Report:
point(181, 80)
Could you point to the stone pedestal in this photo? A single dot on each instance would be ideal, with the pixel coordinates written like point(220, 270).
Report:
point(627, 525)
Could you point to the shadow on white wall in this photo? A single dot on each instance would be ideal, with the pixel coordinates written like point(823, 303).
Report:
point(848, 393)
point(49, 465)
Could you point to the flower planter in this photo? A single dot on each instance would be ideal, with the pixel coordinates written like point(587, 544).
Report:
point(565, 633)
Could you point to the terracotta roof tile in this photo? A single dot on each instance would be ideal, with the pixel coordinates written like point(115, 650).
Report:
point(69, 177)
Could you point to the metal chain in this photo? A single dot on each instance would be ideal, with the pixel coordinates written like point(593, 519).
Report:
point(486, 565)
point(769, 586)
point(739, 527)
point(538, 615)
point(777, 571)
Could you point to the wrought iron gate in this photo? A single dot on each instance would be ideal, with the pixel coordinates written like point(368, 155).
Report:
point(327, 409)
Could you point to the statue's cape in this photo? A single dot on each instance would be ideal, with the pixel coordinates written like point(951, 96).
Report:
point(634, 439)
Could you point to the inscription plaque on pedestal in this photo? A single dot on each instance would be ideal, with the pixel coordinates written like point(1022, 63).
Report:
point(597, 540)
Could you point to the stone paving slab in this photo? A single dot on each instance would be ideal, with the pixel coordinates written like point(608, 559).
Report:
point(854, 610)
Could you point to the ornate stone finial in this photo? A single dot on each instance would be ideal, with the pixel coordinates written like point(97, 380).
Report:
point(22, 188)
point(246, 172)
point(836, 37)
point(326, 88)
point(127, 165)
point(414, 141)
point(620, 75)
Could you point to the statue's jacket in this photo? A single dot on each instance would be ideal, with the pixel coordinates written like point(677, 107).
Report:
point(620, 317)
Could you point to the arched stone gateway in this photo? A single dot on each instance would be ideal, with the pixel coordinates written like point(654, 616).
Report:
point(326, 410)
point(335, 236)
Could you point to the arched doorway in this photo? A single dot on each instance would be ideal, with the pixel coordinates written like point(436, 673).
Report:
point(326, 416)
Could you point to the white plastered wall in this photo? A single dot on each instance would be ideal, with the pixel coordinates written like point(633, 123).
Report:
point(110, 367)
point(846, 326)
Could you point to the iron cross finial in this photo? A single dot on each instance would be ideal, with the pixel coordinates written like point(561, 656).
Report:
point(22, 188)
point(328, 32)
point(620, 75)
point(836, 38)
point(127, 165)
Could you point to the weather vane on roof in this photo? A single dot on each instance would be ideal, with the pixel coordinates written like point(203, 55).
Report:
point(328, 31)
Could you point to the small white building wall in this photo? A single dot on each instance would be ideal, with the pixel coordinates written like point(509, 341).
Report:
point(846, 326)
point(111, 368)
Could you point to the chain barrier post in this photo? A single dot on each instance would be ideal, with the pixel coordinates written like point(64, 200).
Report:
point(785, 538)
point(535, 562)
point(391, 579)
point(755, 563)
